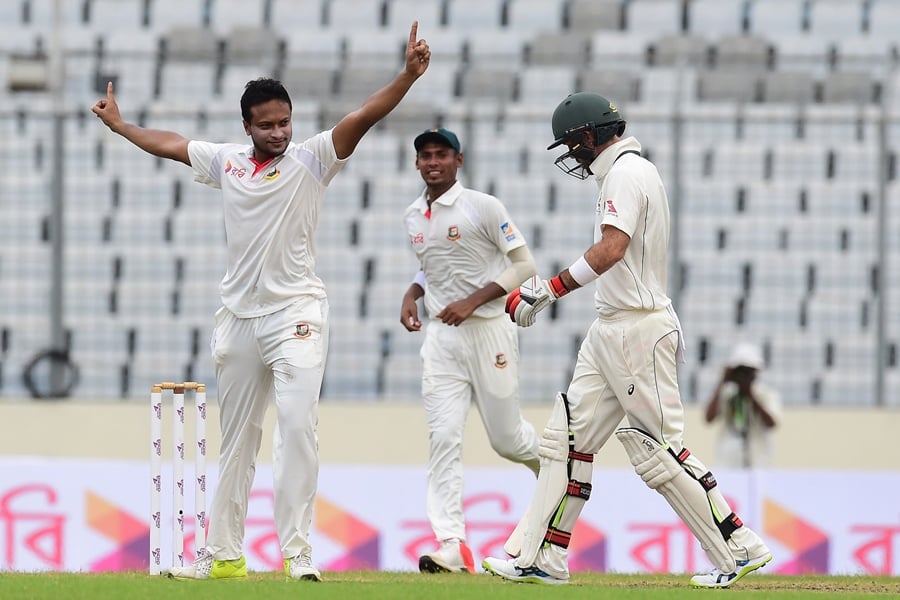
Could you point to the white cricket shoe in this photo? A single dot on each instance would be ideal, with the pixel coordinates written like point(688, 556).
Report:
point(452, 557)
point(301, 567)
point(205, 567)
point(718, 579)
point(508, 569)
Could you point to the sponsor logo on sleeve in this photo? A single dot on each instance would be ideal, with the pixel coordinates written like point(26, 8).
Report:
point(509, 231)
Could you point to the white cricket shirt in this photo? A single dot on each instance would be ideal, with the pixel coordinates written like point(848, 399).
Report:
point(632, 199)
point(271, 213)
point(461, 244)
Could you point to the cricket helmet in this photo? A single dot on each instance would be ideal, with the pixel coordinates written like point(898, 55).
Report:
point(577, 114)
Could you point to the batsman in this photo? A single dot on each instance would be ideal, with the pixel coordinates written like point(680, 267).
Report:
point(626, 366)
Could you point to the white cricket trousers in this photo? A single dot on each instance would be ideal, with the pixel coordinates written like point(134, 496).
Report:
point(478, 360)
point(282, 352)
point(626, 367)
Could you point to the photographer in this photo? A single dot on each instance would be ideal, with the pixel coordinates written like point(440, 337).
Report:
point(749, 409)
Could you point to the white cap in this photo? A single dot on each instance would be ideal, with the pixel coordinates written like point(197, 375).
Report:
point(747, 355)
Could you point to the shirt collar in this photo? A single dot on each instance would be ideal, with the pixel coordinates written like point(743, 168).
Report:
point(604, 161)
point(447, 198)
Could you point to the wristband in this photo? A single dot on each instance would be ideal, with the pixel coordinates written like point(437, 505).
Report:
point(582, 272)
point(557, 287)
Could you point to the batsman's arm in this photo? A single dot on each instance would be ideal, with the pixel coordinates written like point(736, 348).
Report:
point(536, 294)
point(598, 258)
point(350, 130)
point(165, 144)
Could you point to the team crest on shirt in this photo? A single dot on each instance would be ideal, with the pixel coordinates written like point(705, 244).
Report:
point(272, 175)
point(610, 207)
point(302, 331)
point(453, 233)
point(500, 361)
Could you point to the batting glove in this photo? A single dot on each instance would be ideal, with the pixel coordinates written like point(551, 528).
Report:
point(525, 302)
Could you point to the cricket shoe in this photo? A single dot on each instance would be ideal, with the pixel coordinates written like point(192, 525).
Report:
point(206, 567)
point(301, 567)
point(508, 569)
point(451, 557)
point(718, 579)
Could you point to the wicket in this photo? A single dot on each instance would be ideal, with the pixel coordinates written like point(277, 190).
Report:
point(178, 451)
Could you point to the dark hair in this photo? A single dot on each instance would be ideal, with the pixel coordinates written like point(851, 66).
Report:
point(260, 91)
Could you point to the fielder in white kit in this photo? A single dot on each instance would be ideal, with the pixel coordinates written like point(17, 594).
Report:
point(271, 334)
point(626, 366)
point(471, 255)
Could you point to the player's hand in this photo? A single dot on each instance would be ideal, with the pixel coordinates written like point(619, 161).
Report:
point(107, 109)
point(525, 302)
point(456, 312)
point(418, 55)
point(409, 315)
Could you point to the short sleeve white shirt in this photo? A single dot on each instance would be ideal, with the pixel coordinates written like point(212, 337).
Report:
point(632, 199)
point(461, 244)
point(271, 211)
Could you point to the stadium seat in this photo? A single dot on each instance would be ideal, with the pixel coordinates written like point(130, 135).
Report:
point(403, 377)
point(315, 49)
point(770, 122)
point(724, 16)
point(797, 87)
point(744, 51)
point(624, 50)
point(849, 87)
point(801, 52)
point(621, 86)
point(477, 83)
point(593, 15)
point(708, 122)
point(352, 365)
point(164, 15)
point(42, 13)
point(863, 53)
point(535, 15)
point(689, 50)
point(230, 15)
point(545, 86)
point(564, 49)
point(836, 19)
point(654, 16)
point(312, 81)
point(290, 17)
point(401, 14)
point(472, 15)
point(776, 18)
point(884, 19)
point(728, 84)
point(376, 48)
point(504, 49)
point(394, 194)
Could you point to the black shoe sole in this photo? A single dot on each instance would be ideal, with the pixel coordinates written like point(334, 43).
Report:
point(427, 565)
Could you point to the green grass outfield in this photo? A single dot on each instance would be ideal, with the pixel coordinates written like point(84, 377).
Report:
point(403, 586)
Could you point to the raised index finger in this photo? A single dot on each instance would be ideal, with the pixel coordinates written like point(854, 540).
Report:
point(109, 90)
point(412, 33)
